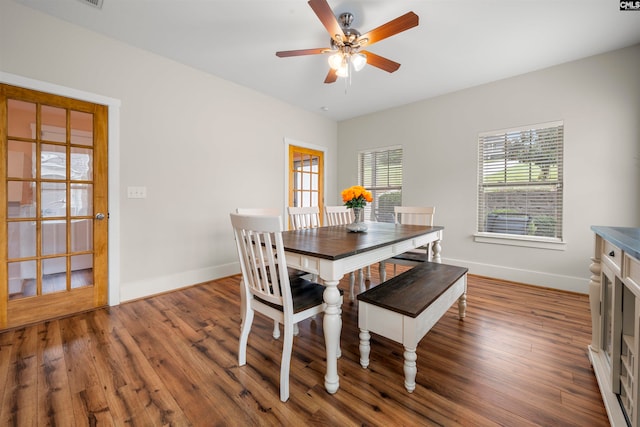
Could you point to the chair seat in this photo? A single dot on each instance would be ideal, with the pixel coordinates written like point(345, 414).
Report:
point(293, 273)
point(413, 256)
point(305, 294)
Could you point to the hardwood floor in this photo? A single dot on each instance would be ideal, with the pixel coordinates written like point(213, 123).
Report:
point(518, 359)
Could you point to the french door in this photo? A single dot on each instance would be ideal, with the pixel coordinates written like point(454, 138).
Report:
point(306, 178)
point(53, 242)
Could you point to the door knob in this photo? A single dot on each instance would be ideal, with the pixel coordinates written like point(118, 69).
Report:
point(100, 215)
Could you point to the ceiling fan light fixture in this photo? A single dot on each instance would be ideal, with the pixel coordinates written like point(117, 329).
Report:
point(359, 60)
point(335, 60)
point(343, 71)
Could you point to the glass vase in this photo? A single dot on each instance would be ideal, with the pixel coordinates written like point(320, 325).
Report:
point(358, 225)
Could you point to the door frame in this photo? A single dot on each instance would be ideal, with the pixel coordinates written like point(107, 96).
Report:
point(288, 142)
point(113, 143)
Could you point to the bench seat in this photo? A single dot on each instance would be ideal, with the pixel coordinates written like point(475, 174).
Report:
point(406, 307)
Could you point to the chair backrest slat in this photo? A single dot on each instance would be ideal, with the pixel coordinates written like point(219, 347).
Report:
point(304, 217)
point(414, 215)
point(338, 215)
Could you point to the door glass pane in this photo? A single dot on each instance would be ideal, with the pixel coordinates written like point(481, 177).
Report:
point(21, 279)
point(82, 128)
point(306, 199)
point(53, 199)
point(54, 117)
point(81, 235)
point(81, 270)
point(81, 164)
point(54, 237)
point(20, 159)
point(54, 275)
point(25, 207)
point(22, 239)
point(81, 199)
point(53, 163)
point(21, 116)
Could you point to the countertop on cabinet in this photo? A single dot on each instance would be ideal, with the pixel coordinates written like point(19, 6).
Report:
point(626, 238)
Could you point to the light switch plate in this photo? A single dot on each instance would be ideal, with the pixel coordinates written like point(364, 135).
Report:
point(136, 192)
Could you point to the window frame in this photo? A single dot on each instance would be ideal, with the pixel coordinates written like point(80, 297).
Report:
point(516, 239)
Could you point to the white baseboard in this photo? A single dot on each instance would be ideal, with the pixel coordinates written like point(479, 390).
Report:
point(530, 277)
point(157, 285)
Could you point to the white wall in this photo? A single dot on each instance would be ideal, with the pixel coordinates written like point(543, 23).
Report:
point(598, 99)
point(201, 145)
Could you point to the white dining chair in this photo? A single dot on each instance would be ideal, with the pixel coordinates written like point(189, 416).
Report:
point(268, 288)
point(304, 217)
point(292, 271)
point(413, 215)
point(341, 215)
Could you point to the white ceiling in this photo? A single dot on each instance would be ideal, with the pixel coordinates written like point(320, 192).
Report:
point(458, 44)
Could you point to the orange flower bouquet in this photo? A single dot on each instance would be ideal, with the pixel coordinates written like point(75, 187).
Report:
point(356, 197)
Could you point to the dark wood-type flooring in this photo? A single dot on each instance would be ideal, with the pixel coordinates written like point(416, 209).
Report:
point(518, 359)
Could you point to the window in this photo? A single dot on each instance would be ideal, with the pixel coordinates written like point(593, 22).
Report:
point(380, 172)
point(520, 182)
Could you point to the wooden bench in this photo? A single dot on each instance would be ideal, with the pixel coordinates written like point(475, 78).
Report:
point(406, 307)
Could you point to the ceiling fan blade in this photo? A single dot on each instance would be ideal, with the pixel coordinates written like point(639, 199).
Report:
point(381, 62)
point(328, 19)
point(299, 52)
point(393, 27)
point(331, 76)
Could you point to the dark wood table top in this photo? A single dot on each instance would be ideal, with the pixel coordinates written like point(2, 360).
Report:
point(336, 242)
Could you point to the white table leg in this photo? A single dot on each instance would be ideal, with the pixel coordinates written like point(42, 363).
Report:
point(361, 281)
point(410, 368)
point(332, 325)
point(352, 282)
point(436, 251)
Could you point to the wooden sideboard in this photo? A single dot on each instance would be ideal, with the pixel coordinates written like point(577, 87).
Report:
point(614, 294)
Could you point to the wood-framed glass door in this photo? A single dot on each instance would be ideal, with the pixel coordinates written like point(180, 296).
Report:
point(53, 165)
point(306, 178)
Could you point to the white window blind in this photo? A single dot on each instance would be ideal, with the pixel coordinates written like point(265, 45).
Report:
point(380, 172)
point(520, 181)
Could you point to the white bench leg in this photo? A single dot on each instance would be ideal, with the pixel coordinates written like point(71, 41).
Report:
point(410, 369)
point(365, 348)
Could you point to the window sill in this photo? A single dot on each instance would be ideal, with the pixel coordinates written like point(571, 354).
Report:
point(522, 241)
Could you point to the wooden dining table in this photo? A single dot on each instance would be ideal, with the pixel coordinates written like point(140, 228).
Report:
point(331, 252)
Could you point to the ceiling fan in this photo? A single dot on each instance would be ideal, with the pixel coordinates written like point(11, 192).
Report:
point(347, 43)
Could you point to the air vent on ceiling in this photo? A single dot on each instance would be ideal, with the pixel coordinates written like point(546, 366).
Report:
point(94, 3)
